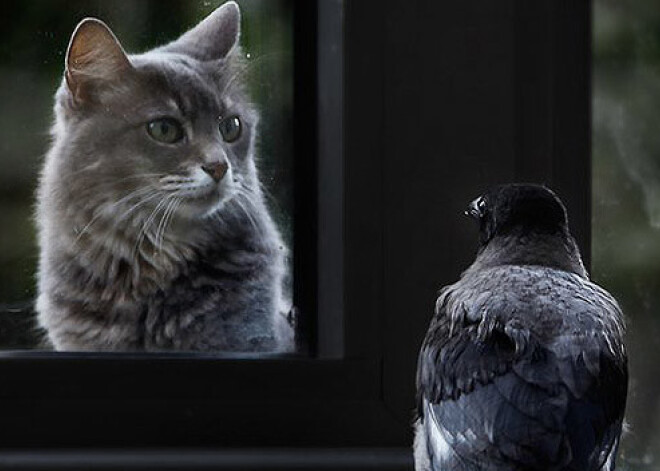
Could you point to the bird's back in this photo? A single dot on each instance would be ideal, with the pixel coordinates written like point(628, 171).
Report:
point(523, 367)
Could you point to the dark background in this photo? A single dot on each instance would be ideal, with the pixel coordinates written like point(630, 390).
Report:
point(440, 100)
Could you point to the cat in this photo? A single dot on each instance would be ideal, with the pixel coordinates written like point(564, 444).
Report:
point(153, 229)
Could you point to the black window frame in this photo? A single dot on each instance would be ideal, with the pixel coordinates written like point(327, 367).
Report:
point(429, 103)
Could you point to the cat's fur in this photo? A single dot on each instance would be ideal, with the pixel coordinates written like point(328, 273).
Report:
point(141, 249)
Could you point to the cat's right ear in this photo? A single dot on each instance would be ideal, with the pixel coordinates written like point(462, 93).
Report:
point(214, 37)
point(94, 57)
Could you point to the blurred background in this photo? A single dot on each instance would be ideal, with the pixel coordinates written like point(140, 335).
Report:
point(626, 201)
point(33, 39)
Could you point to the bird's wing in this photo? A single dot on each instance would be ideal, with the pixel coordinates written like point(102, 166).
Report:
point(496, 395)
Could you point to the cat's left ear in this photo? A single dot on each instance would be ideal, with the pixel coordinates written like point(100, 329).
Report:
point(94, 57)
point(213, 37)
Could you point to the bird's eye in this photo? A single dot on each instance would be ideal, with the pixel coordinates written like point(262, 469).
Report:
point(230, 128)
point(477, 208)
point(481, 205)
point(165, 130)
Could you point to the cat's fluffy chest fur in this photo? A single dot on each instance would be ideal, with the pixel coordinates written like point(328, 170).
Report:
point(153, 229)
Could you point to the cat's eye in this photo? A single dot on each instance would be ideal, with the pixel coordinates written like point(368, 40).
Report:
point(165, 130)
point(230, 128)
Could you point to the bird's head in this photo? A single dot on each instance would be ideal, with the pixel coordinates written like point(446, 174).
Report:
point(518, 209)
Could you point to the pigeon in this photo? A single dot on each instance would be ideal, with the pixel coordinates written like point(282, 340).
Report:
point(523, 366)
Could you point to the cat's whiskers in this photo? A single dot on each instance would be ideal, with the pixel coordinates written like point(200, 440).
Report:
point(250, 217)
point(114, 181)
point(168, 221)
point(143, 201)
point(172, 212)
point(147, 223)
point(174, 182)
point(165, 220)
point(101, 211)
point(100, 186)
point(251, 194)
point(264, 191)
point(157, 240)
point(137, 175)
point(144, 228)
point(186, 189)
point(253, 191)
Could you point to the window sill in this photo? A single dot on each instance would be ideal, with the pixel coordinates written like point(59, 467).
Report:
point(383, 459)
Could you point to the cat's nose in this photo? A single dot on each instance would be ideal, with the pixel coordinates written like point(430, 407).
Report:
point(216, 170)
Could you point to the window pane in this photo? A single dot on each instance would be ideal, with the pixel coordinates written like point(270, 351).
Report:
point(626, 201)
point(160, 234)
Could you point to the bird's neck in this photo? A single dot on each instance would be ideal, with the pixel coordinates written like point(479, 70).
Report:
point(553, 251)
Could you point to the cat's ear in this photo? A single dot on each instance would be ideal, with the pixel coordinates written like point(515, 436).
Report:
point(94, 56)
point(213, 37)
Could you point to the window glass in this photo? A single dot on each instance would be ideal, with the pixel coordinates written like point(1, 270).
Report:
point(626, 201)
point(203, 136)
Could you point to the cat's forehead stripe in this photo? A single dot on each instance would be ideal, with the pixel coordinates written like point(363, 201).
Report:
point(193, 88)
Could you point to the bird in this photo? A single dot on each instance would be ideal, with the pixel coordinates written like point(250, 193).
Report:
point(523, 366)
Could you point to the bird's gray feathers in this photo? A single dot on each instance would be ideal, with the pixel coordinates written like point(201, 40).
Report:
point(521, 369)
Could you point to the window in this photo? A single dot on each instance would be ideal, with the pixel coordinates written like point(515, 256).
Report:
point(33, 57)
point(626, 199)
point(409, 110)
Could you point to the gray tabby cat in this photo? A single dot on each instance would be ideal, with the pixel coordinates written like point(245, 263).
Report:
point(153, 228)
